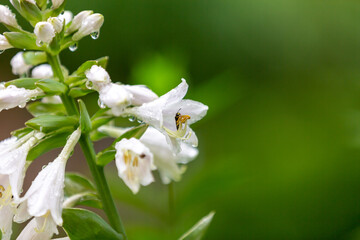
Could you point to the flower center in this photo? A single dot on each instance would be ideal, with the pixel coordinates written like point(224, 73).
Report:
point(132, 159)
point(181, 127)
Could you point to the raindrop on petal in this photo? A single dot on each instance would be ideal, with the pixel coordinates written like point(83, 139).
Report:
point(73, 47)
point(101, 104)
point(132, 119)
point(89, 84)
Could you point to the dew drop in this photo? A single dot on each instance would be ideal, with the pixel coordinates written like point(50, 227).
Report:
point(22, 105)
point(41, 129)
point(44, 166)
point(39, 43)
point(73, 47)
point(1, 51)
point(139, 121)
point(89, 84)
point(95, 35)
point(132, 119)
point(101, 104)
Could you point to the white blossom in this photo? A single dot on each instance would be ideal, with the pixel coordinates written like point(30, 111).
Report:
point(98, 77)
point(7, 17)
point(89, 25)
point(67, 16)
point(134, 162)
point(18, 64)
point(77, 21)
point(6, 208)
point(140, 94)
point(57, 23)
point(42, 71)
point(39, 228)
point(44, 32)
point(172, 115)
point(114, 96)
point(56, 3)
point(4, 43)
point(12, 96)
point(45, 195)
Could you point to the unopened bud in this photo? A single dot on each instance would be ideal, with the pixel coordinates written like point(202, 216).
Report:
point(19, 65)
point(90, 25)
point(57, 24)
point(77, 21)
point(67, 16)
point(44, 32)
point(7, 17)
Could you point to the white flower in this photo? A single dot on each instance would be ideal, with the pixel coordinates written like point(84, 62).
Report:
point(51, 99)
point(7, 17)
point(172, 115)
point(115, 96)
point(90, 24)
point(164, 158)
point(42, 71)
point(6, 208)
point(57, 23)
point(39, 228)
point(134, 162)
point(18, 64)
point(44, 32)
point(67, 16)
point(4, 43)
point(77, 21)
point(56, 3)
point(12, 96)
point(46, 194)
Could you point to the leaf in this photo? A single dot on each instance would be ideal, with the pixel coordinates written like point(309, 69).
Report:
point(81, 224)
point(19, 133)
point(22, 40)
point(49, 143)
point(102, 62)
point(198, 231)
point(79, 92)
point(28, 83)
point(107, 155)
point(48, 123)
point(85, 122)
point(81, 190)
point(0, 234)
point(34, 58)
point(51, 86)
point(98, 122)
point(40, 108)
point(31, 11)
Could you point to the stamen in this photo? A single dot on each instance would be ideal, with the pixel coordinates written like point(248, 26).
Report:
point(126, 157)
point(135, 162)
point(2, 189)
point(44, 225)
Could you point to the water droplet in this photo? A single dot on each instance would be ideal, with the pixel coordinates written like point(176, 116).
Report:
point(139, 121)
point(41, 129)
point(62, 13)
point(95, 35)
point(132, 119)
point(101, 104)
point(39, 43)
point(24, 49)
point(22, 105)
point(89, 84)
point(1, 51)
point(44, 166)
point(73, 47)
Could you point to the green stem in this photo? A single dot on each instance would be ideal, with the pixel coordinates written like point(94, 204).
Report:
point(171, 203)
point(90, 155)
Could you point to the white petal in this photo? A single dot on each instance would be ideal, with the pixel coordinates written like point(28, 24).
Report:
point(115, 97)
point(39, 229)
point(7, 17)
point(12, 96)
point(44, 32)
point(57, 24)
point(67, 16)
point(4, 43)
point(141, 94)
point(77, 21)
point(98, 76)
point(56, 3)
point(89, 25)
point(42, 71)
point(6, 216)
point(18, 64)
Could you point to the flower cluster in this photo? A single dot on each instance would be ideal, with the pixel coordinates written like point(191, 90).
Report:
point(162, 141)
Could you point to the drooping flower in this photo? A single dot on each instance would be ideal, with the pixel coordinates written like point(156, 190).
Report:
point(4, 43)
point(116, 96)
point(77, 21)
point(134, 162)
point(172, 115)
point(13, 96)
point(57, 24)
point(45, 196)
point(42, 71)
point(7, 17)
point(90, 24)
point(44, 32)
point(39, 228)
point(18, 64)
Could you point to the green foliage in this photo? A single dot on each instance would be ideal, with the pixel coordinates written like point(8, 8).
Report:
point(51, 87)
point(22, 40)
point(79, 92)
point(81, 224)
point(40, 108)
point(34, 58)
point(107, 155)
point(31, 11)
point(49, 123)
point(85, 122)
point(28, 83)
point(198, 231)
point(21, 132)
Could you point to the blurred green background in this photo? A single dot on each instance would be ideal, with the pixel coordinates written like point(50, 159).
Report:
point(279, 148)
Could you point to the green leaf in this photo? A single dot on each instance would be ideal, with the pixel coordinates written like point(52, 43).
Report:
point(31, 11)
point(34, 58)
point(81, 224)
point(41, 3)
point(0, 234)
point(97, 122)
point(85, 122)
point(198, 231)
point(51, 86)
point(107, 155)
point(57, 11)
point(40, 108)
point(22, 40)
point(19, 133)
point(96, 135)
point(28, 83)
point(49, 143)
point(81, 190)
point(102, 62)
point(48, 123)
point(79, 92)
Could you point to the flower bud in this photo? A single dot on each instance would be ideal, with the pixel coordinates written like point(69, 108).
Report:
point(42, 71)
point(98, 77)
point(4, 43)
point(57, 24)
point(90, 24)
point(77, 21)
point(67, 16)
point(56, 3)
point(18, 64)
point(44, 32)
point(7, 17)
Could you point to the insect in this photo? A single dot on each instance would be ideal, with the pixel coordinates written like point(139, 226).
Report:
point(180, 119)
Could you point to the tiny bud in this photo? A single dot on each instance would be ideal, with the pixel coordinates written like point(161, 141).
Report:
point(67, 16)
point(56, 3)
point(42, 71)
point(18, 64)
point(57, 24)
point(90, 24)
point(7, 17)
point(44, 32)
point(98, 76)
point(4, 44)
point(77, 21)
